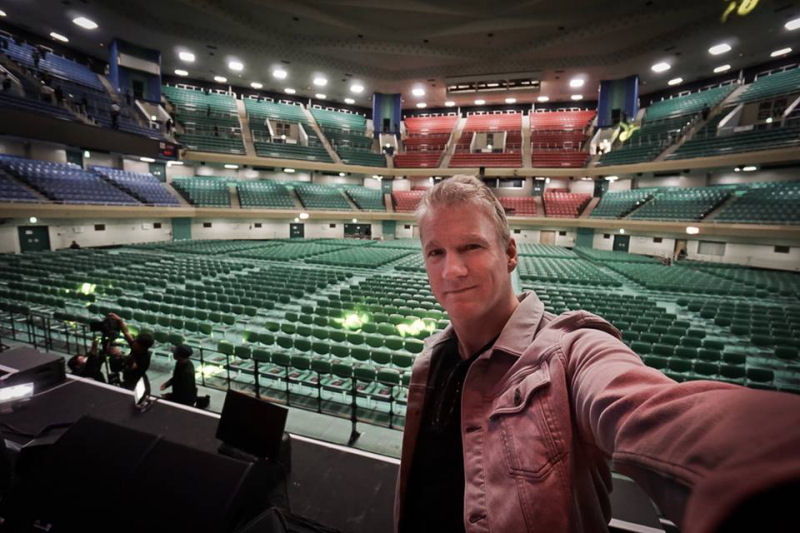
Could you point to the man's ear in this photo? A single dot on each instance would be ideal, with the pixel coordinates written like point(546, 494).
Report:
point(511, 252)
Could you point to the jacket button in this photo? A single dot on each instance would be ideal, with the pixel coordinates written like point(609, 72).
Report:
point(517, 397)
point(476, 517)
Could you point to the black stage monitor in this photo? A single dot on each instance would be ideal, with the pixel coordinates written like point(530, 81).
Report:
point(251, 425)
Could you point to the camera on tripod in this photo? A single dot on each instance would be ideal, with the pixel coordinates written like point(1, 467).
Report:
point(108, 328)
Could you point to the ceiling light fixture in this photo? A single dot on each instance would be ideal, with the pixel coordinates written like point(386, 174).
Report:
point(303, 216)
point(186, 56)
point(776, 53)
point(3, 13)
point(231, 166)
point(511, 100)
point(718, 49)
point(418, 91)
point(320, 81)
point(342, 174)
point(543, 99)
point(85, 23)
point(289, 170)
point(320, 96)
point(289, 90)
point(661, 67)
point(750, 168)
point(576, 82)
point(236, 66)
point(58, 37)
point(692, 230)
point(181, 72)
point(577, 97)
point(422, 105)
point(480, 101)
point(256, 85)
point(220, 79)
point(449, 103)
point(675, 81)
point(33, 220)
point(147, 160)
point(357, 88)
point(279, 73)
point(792, 24)
point(349, 101)
point(722, 68)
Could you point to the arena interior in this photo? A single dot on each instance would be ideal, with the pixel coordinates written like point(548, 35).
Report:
point(241, 177)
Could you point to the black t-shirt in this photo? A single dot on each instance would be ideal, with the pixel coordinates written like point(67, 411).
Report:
point(131, 375)
point(184, 389)
point(435, 495)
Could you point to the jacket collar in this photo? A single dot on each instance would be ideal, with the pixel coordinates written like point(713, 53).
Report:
point(516, 335)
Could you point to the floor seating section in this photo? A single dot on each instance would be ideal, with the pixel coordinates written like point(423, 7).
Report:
point(765, 203)
point(365, 198)
point(268, 118)
point(771, 86)
point(64, 182)
point(682, 204)
point(605, 256)
point(318, 196)
point(205, 191)
point(563, 270)
point(425, 141)
point(545, 250)
point(12, 190)
point(264, 194)
point(209, 120)
point(617, 204)
point(406, 200)
point(347, 133)
point(518, 206)
point(511, 123)
point(144, 187)
point(564, 204)
point(557, 137)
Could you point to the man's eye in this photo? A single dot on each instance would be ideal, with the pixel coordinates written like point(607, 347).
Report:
point(473, 246)
point(433, 253)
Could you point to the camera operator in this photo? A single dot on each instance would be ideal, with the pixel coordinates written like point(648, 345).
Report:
point(135, 365)
point(90, 364)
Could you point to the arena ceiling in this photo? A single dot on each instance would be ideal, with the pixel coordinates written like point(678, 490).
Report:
point(396, 46)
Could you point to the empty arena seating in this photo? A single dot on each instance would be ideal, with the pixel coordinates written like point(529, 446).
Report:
point(688, 104)
point(771, 86)
point(557, 137)
point(504, 160)
point(564, 204)
point(264, 193)
point(617, 204)
point(53, 64)
point(511, 123)
point(425, 141)
point(318, 196)
point(266, 117)
point(764, 203)
point(646, 143)
point(13, 191)
point(204, 191)
point(209, 120)
point(64, 182)
point(34, 105)
point(366, 198)
point(518, 205)
point(709, 142)
point(145, 187)
point(348, 136)
point(682, 204)
point(407, 200)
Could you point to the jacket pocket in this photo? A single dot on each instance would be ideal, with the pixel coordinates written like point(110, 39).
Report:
point(523, 418)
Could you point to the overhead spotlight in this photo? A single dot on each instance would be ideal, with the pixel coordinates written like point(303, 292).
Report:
point(661, 67)
point(692, 230)
point(279, 73)
point(289, 170)
point(319, 81)
point(289, 90)
point(186, 56)
point(303, 215)
point(622, 231)
point(418, 91)
point(58, 37)
point(577, 97)
point(792, 24)
point(349, 101)
point(511, 100)
point(781, 52)
point(718, 49)
point(147, 160)
point(355, 220)
point(722, 68)
point(220, 79)
point(342, 174)
point(86, 24)
point(737, 169)
point(449, 103)
point(33, 220)
point(675, 81)
point(750, 168)
point(181, 72)
point(357, 88)
point(320, 96)
point(3, 13)
point(543, 99)
point(576, 82)
point(422, 105)
point(256, 85)
point(612, 178)
point(480, 101)
point(236, 66)
point(231, 166)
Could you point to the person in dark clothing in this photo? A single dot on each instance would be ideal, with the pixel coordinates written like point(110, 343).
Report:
point(704, 113)
point(36, 58)
point(135, 365)
point(169, 124)
point(184, 389)
point(208, 110)
point(90, 365)
point(216, 131)
point(115, 109)
point(59, 94)
point(84, 105)
point(74, 245)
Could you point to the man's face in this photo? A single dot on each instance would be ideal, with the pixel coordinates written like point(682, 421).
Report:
point(468, 266)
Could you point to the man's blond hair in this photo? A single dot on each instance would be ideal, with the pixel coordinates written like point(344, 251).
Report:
point(463, 189)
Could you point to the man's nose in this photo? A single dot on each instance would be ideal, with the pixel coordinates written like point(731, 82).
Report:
point(454, 266)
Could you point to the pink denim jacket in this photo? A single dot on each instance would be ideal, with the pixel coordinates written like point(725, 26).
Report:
point(547, 406)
